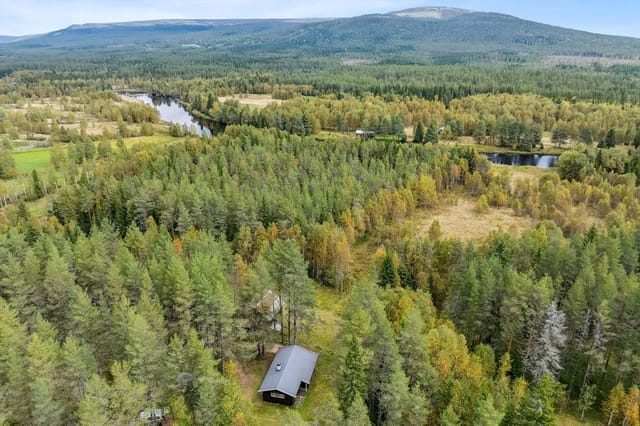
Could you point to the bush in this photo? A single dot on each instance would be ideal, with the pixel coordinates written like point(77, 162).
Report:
point(574, 165)
point(482, 206)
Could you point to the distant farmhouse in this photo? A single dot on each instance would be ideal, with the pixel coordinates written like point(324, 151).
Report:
point(289, 375)
point(365, 134)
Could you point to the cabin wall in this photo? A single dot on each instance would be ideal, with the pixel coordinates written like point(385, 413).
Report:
point(278, 398)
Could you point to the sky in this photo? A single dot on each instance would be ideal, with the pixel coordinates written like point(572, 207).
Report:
point(21, 17)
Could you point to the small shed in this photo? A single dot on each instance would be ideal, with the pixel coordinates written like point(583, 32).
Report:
point(270, 305)
point(289, 375)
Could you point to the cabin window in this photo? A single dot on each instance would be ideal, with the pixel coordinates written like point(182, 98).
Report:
point(277, 395)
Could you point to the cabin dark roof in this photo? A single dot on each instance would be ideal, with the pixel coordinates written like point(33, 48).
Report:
point(296, 366)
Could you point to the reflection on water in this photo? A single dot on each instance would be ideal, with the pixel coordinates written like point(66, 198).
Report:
point(538, 160)
point(170, 110)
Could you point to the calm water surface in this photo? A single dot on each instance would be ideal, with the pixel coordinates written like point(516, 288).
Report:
point(171, 111)
point(538, 160)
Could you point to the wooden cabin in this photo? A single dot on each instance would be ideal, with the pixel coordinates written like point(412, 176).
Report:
point(289, 375)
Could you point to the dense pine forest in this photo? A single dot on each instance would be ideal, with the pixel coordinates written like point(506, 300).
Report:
point(139, 261)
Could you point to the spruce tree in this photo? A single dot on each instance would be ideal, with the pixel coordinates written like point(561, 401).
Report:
point(94, 408)
point(328, 412)
point(412, 346)
point(537, 406)
point(353, 376)
point(181, 292)
point(418, 133)
point(431, 135)
point(126, 396)
point(43, 359)
point(19, 292)
point(213, 305)
point(58, 287)
point(78, 365)
point(37, 185)
point(397, 128)
point(15, 407)
point(449, 417)
point(357, 414)
point(288, 269)
point(145, 354)
point(388, 272)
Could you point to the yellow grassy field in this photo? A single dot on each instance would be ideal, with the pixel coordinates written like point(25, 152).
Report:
point(258, 101)
point(462, 221)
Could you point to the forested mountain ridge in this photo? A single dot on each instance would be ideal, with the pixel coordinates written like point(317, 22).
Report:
point(414, 33)
point(469, 33)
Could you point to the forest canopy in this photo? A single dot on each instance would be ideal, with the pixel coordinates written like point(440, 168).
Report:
point(140, 264)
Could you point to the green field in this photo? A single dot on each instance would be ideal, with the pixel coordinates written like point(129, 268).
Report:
point(32, 160)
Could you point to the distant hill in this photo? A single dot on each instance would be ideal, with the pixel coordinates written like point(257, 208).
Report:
point(6, 38)
point(146, 35)
point(438, 33)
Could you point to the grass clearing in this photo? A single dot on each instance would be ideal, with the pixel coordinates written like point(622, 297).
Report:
point(26, 161)
point(258, 101)
point(567, 419)
point(155, 139)
point(522, 172)
point(462, 221)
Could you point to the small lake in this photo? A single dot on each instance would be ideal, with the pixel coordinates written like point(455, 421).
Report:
point(172, 111)
point(537, 160)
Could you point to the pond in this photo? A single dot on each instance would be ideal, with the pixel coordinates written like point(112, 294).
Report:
point(537, 160)
point(172, 111)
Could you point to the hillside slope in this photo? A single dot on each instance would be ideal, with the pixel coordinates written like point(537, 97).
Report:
point(468, 32)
